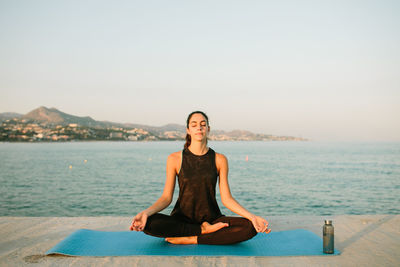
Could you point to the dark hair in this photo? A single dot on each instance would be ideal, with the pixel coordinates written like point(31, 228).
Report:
point(188, 138)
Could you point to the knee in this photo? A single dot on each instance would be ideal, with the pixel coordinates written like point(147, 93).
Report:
point(153, 225)
point(246, 230)
point(249, 228)
point(151, 219)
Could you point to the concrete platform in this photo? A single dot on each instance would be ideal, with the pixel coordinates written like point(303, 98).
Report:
point(364, 240)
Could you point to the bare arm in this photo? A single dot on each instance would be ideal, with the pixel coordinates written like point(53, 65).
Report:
point(169, 187)
point(173, 164)
point(260, 224)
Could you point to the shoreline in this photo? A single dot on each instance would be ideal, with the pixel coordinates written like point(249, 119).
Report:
point(372, 240)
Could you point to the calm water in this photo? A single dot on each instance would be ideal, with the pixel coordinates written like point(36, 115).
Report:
point(122, 178)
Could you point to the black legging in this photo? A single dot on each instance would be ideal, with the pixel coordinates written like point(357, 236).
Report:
point(239, 229)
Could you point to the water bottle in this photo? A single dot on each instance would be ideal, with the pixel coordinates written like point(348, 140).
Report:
point(328, 237)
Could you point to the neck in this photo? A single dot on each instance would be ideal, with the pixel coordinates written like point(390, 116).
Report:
point(198, 148)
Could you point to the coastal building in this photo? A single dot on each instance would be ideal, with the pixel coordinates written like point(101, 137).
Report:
point(132, 138)
point(116, 135)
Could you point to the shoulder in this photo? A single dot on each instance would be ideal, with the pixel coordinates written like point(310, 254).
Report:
point(219, 156)
point(175, 157)
point(174, 161)
point(220, 160)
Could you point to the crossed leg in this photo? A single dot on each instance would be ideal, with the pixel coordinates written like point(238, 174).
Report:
point(224, 230)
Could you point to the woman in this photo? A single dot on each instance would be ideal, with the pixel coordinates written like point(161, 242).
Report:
point(196, 217)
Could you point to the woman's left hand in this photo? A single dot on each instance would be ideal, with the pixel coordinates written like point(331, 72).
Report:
point(260, 224)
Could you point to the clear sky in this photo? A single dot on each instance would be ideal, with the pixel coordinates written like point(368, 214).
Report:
point(325, 70)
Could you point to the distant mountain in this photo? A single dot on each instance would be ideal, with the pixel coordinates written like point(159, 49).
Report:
point(235, 133)
point(54, 116)
point(9, 115)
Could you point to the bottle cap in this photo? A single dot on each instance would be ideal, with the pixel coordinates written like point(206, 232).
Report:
point(328, 221)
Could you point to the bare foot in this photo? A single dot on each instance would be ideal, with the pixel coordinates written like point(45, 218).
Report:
point(207, 228)
point(184, 240)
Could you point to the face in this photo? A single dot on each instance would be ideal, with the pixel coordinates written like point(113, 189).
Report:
point(198, 128)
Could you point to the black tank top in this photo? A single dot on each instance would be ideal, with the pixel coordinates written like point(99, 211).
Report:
point(197, 179)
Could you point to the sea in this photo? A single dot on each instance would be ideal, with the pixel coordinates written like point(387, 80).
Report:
point(267, 178)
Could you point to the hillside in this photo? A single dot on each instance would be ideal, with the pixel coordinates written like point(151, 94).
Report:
point(54, 116)
point(53, 124)
point(9, 115)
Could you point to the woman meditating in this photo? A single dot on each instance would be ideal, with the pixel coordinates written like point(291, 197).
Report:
point(196, 217)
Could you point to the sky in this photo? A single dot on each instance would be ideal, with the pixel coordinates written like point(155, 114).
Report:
point(322, 70)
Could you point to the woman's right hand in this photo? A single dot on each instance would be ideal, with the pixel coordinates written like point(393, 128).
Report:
point(139, 222)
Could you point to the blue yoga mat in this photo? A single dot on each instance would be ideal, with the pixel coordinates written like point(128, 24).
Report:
point(98, 243)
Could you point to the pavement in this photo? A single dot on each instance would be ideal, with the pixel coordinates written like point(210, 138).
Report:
point(364, 240)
